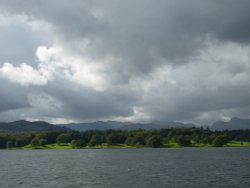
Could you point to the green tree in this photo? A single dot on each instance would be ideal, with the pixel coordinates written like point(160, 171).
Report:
point(115, 138)
point(22, 140)
point(95, 140)
point(183, 140)
point(63, 138)
point(138, 140)
point(81, 143)
point(129, 141)
point(219, 141)
point(73, 143)
point(9, 144)
point(154, 141)
point(2, 142)
point(35, 142)
point(78, 143)
point(42, 142)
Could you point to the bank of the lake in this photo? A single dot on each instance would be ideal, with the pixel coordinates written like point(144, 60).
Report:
point(124, 146)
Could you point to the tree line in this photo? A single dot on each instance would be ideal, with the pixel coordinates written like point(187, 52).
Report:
point(136, 138)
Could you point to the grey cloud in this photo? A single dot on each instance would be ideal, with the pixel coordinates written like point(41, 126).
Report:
point(83, 103)
point(136, 38)
point(141, 32)
point(205, 90)
point(12, 96)
point(65, 100)
point(19, 40)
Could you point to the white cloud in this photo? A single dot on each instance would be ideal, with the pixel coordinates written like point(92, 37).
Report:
point(23, 74)
point(55, 61)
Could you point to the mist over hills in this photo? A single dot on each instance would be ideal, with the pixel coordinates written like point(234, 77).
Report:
point(101, 125)
point(233, 124)
point(22, 125)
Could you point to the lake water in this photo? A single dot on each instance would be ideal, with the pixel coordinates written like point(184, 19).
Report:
point(126, 168)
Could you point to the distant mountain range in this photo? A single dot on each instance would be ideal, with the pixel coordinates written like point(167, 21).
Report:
point(233, 124)
point(101, 125)
point(22, 125)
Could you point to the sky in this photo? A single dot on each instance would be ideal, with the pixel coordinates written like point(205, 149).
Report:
point(136, 60)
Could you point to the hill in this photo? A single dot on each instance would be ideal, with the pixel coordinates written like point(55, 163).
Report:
point(102, 125)
point(22, 125)
point(233, 124)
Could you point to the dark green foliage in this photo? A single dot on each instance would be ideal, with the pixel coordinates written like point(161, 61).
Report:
point(165, 140)
point(74, 143)
point(154, 141)
point(129, 141)
point(95, 140)
point(78, 143)
point(140, 138)
point(115, 139)
point(50, 137)
point(42, 142)
point(35, 142)
point(22, 141)
point(64, 138)
point(219, 141)
point(2, 142)
point(183, 140)
point(38, 141)
point(9, 144)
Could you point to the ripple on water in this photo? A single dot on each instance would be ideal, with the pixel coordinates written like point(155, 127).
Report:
point(133, 168)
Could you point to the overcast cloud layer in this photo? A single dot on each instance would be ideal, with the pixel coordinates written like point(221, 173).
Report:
point(143, 60)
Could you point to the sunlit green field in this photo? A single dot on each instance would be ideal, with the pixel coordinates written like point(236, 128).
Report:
point(238, 144)
point(104, 145)
point(69, 146)
point(49, 146)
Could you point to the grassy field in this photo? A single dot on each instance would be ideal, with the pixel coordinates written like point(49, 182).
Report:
point(199, 145)
point(108, 146)
point(49, 146)
point(69, 146)
point(123, 146)
point(171, 145)
point(238, 144)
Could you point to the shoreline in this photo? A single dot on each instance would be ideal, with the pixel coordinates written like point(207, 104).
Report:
point(123, 146)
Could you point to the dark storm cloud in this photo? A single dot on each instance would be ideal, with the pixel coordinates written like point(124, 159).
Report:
point(141, 32)
point(80, 102)
point(175, 60)
point(12, 96)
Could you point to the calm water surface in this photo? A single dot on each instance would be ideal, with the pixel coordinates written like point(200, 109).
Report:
point(126, 168)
